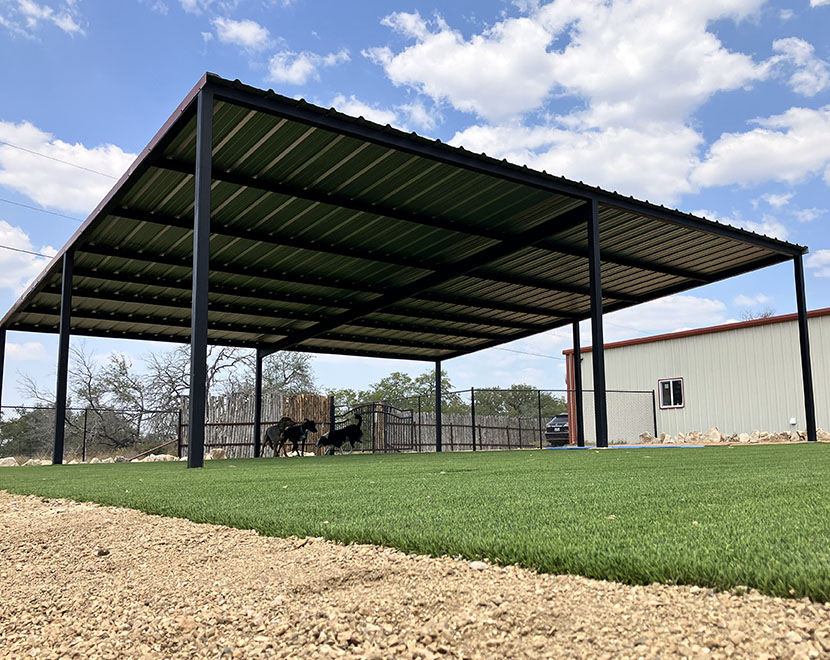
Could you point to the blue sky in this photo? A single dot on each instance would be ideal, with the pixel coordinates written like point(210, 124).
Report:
point(720, 107)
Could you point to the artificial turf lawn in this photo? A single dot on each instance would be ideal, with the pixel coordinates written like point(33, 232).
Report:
point(719, 517)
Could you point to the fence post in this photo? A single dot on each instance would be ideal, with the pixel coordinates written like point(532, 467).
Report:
point(654, 410)
point(331, 413)
point(179, 435)
point(473, 415)
point(83, 442)
point(541, 428)
point(420, 423)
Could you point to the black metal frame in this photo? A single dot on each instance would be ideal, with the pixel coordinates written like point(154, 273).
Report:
point(63, 357)
point(804, 345)
point(585, 211)
point(201, 270)
point(577, 372)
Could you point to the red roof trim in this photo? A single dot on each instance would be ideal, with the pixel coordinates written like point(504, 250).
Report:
point(785, 318)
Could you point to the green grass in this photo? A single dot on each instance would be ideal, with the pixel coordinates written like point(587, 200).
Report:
point(719, 517)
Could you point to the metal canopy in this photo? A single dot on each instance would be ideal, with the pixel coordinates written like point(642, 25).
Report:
point(331, 234)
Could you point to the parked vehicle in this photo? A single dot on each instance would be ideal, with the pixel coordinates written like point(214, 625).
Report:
point(556, 431)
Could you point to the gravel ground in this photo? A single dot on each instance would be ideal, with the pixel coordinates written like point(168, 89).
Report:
point(84, 581)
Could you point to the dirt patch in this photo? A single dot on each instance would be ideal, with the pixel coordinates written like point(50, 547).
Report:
point(84, 581)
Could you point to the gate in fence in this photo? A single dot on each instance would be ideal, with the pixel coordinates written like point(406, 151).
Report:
point(386, 429)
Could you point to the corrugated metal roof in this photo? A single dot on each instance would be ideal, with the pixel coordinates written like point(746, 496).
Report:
point(332, 234)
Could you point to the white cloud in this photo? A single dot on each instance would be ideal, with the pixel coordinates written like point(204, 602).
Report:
point(515, 65)
point(633, 96)
point(297, 68)
point(750, 301)
point(786, 14)
point(654, 164)
point(777, 200)
point(17, 269)
point(421, 116)
point(247, 34)
point(819, 3)
point(768, 225)
point(808, 215)
point(669, 314)
point(27, 351)
point(52, 183)
point(352, 106)
point(24, 17)
point(820, 260)
point(788, 147)
point(811, 75)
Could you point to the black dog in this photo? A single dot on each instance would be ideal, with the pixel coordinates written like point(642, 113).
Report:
point(338, 437)
point(286, 430)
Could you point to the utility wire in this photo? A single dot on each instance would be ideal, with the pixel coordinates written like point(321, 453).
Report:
point(513, 350)
point(37, 254)
point(35, 208)
point(57, 160)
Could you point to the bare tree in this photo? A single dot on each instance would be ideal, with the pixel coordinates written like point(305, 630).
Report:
point(751, 315)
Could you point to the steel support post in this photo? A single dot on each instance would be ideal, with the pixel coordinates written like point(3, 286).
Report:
point(598, 349)
point(804, 342)
point(438, 405)
point(473, 414)
point(2, 365)
point(258, 403)
point(539, 409)
point(201, 264)
point(63, 356)
point(578, 393)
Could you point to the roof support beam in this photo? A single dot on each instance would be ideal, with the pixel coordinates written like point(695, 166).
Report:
point(293, 277)
point(290, 191)
point(315, 245)
point(260, 312)
point(399, 141)
point(477, 260)
point(331, 302)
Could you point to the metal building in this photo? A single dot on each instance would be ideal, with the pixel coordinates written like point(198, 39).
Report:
point(739, 377)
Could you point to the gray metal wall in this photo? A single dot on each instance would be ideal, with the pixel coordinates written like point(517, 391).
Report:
point(739, 380)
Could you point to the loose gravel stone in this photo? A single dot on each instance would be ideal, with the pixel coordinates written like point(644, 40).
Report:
point(170, 588)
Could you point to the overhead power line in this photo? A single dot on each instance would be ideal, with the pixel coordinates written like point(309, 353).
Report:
point(57, 160)
point(513, 350)
point(36, 254)
point(35, 208)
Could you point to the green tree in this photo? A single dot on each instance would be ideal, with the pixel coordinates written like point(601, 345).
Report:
point(402, 391)
point(519, 400)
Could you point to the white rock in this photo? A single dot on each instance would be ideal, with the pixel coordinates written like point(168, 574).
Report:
point(37, 461)
point(108, 460)
point(743, 437)
point(679, 439)
point(793, 436)
point(647, 439)
point(74, 461)
point(694, 437)
point(665, 439)
point(95, 460)
point(712, 435)
point(479, 565)
point(8, 461)
point(822, 435)
point(755, 436)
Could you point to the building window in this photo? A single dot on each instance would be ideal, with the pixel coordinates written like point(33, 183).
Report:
point(671, 393)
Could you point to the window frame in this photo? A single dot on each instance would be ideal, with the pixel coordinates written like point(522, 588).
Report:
point(660, 382)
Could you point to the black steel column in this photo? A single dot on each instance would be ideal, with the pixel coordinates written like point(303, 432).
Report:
point(438, 405)
point(804, 341)
point(598, 354)
point(201, 264)
point(578, 394)
point(63, 356)
point(473, 414)
point(258, 402)
point(2, 365)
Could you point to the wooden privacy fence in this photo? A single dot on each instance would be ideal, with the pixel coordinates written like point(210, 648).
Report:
point(230, 419)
